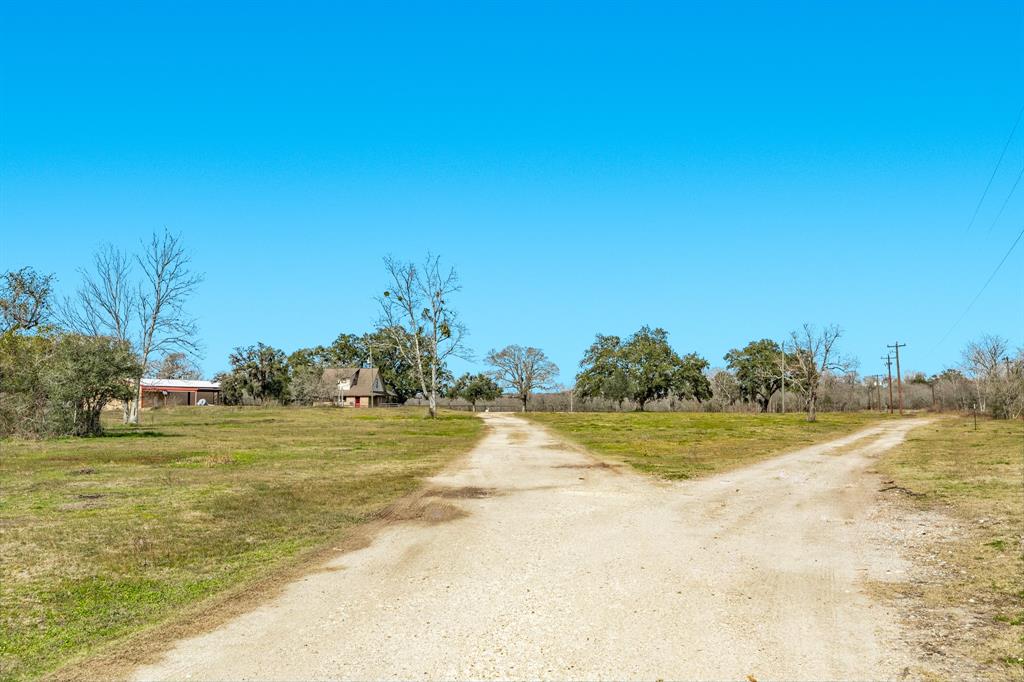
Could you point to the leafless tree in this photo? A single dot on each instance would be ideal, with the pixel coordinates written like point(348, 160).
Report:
point(815, 356)
point(523, 370)
point(725, 390)
point(145, 308)
point(105, 302)
point(24, 299)
point(416, 318)
point(177, 365)
point(997, 377)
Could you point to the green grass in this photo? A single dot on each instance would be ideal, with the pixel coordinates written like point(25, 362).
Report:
point(677, 445)
point(977, 477)
point(100, 537)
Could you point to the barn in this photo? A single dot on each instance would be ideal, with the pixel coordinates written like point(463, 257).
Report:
point(166, 392)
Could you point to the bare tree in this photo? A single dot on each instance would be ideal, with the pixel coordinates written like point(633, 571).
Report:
point(814, 357)
point(105, 302)
point(998, 378)
point(177, 365)
point(24, 299)
point(523, 370)
point(418, 322)
point(144, 308)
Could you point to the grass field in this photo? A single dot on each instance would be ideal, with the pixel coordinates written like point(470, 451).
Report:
point(976, 477)
point(100, 537)
point(679, 445)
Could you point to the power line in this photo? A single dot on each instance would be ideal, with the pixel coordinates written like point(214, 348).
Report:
point(995, 170)
point(983, 287)
point(1007, 199)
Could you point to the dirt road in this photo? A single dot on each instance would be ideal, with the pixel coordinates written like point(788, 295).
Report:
point(532, 560)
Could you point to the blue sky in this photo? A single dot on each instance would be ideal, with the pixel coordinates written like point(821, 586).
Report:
point(727, 171)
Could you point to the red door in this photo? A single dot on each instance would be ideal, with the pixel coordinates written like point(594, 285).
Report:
point(357, 401)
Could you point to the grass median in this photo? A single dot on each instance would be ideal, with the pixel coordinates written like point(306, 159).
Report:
point(100, 537)
point(680, 445)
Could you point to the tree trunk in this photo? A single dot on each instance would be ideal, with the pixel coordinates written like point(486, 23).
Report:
point(433, 387)
point(763, 402)
point(524, 398)
point(132, 409)
point(812, 414)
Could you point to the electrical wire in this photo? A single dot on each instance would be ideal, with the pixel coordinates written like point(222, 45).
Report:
point(983, 287)
point(996, 169)
point(1007, 199)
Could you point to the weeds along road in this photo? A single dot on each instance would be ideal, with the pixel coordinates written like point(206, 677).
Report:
point(532, 560)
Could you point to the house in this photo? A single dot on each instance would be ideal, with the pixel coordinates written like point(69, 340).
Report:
point(355, 387)
point(164, 392)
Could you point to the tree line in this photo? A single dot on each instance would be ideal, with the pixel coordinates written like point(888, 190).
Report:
point(63, 361)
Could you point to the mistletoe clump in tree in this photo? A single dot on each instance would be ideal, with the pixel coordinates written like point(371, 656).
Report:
point(418, 323)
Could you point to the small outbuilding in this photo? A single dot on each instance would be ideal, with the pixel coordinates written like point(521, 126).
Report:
point(167, 392)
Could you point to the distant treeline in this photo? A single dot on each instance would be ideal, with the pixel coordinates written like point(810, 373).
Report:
point(62, 362)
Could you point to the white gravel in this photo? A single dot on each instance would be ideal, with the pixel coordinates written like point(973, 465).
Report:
point(566, 570)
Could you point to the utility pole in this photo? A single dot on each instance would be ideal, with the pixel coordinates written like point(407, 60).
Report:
point(888, 365)
point(899, 377)
point(878, 390)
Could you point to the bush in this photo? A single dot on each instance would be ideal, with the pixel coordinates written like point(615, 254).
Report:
point(58, 384)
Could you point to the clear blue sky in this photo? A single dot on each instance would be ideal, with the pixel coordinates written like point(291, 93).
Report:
point(725, 171)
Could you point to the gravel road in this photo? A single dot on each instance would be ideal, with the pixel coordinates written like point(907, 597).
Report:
point(532, 560)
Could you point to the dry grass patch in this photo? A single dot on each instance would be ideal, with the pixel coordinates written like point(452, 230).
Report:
point(972, 604)
point(103, 536)
point(679, 445)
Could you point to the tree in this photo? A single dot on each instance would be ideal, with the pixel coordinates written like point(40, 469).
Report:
point(651, 365)
point(725, 389)
point(758, 370)
point(24, 400)
point(998, 378)
point(617, 387)
point(232, 387)
point(644, 368)
point(391, 350)
point(177, 365)
point(24, 299)
point(522, 370)
point(475, 387)
point(814, 356)
point(51, 382)
point(305, 383)
point(139, 300)
point(603, 374)
point(419, 324)
point(259, 372)
point(689, 381)
point(85, 373)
